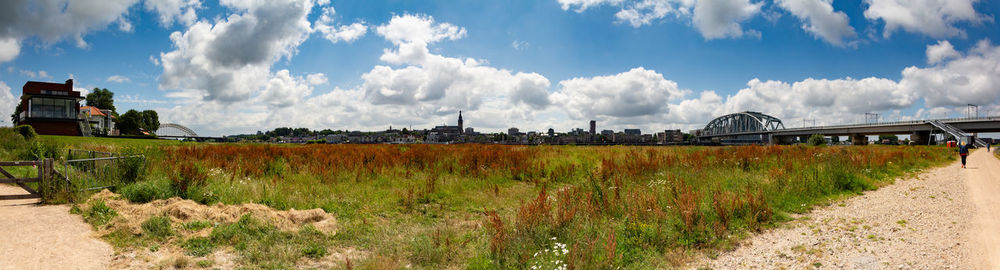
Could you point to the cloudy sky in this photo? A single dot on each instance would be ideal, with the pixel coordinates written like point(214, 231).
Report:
point(232, 66)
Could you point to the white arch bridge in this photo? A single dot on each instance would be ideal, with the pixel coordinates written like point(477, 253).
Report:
point(178, 131)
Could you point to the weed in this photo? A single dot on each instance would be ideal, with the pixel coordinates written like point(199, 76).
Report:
point(198, 246)
point(157, 227)
point(99, 214)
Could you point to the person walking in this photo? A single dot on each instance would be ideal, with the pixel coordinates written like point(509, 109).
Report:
point(963, 150)
point(988, 147)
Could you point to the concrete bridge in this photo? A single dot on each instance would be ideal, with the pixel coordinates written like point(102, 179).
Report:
point(769, 132)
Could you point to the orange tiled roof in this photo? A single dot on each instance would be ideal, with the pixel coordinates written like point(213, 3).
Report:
point(93, 110)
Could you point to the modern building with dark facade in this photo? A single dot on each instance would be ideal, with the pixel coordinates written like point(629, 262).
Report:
point(51, 108)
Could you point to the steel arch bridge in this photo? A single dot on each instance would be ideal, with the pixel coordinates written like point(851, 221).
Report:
point(187, 131)
point(742, 126)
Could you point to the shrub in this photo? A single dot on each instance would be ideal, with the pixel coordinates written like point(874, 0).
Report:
point(315, 251)
point(147, 191)
point(40, 149)
point(26, 131)
point(157, 227)
point(99, 214)
point(817, 140)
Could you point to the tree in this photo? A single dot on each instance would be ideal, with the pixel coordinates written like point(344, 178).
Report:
point(816, 140)
point(835, 139)
point(130, 123)
point(150, 120)
point(14, 119)
point(102, 99)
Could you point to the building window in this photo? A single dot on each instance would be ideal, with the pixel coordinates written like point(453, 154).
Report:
point(53, 108)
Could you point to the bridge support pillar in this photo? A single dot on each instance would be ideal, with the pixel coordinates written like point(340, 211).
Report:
point(859, 139)
point(920, 137)
point(803, 139)
point(783, 140)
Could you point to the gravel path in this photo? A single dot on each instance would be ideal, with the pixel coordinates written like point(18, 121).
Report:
point(945, 218)
point(46, 237)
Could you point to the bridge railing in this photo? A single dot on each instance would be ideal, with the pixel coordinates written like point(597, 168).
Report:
point(908, 122)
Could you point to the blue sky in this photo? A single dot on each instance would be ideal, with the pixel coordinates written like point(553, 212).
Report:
point(240, 66)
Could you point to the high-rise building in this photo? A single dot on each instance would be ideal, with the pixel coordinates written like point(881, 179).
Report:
point(593, 127)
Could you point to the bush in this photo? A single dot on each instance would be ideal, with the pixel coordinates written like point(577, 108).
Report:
point(157, 227)
point(817, 140)
point(99, 214)
point(26, 131)
point(40, 149)
point(131, 167)
point(147, 191)
point(188, 176)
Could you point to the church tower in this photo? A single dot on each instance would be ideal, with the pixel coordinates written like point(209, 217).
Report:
point(461, 128)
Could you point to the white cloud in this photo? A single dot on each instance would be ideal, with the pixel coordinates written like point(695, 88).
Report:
point(316, 79)
point(972, 78)
point(940, 52)
point(7, 102)
point(721, 18)
point(41, 74)
point(230, 60)
point(53, 21)
point(934, 18)
point(346, 33)
point(118, 79)
point(284, 90)
point(821, 20)
point(153, 60)
point(181, 11)
point(411, 28)
point(714, 19)
point(637, 92)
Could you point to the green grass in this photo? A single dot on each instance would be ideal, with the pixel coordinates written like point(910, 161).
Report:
point(78, 142)
point(157, 227)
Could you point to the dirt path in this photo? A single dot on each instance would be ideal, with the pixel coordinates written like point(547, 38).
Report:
point(984, 187)
point(46, 237)
point(945, 218)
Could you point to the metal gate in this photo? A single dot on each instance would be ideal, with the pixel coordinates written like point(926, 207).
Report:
point(95, 170)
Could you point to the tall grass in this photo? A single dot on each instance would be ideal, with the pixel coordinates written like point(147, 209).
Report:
point(609, 206)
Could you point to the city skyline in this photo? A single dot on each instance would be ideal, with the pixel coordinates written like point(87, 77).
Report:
point(236, 67)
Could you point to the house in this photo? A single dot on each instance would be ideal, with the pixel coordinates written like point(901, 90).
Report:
point(99, 121)
point(51, 108)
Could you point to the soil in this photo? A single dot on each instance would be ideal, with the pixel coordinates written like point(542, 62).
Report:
point(34, 236)
point(945, 218)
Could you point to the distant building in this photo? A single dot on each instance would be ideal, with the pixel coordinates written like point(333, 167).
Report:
point(670, 136)
point(607, 132)
point(460, 122)
point(99, 121)
point(593, 127)
point(468, 130)
point(632, 131)
point(51, 108)
point(552, 132)
point(513, 131)
point(447, 130)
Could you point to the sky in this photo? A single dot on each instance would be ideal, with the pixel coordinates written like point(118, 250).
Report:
point(235, 67)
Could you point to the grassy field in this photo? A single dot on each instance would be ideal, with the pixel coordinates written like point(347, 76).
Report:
point(497, 207)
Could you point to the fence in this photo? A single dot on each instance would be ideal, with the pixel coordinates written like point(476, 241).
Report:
point(95, 170)
point(44, 181)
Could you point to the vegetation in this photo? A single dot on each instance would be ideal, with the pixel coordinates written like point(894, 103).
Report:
point(817, 140)
point(102, 99)
point(134, 122)
point(495, 206)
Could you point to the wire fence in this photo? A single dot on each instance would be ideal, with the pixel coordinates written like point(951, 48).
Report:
point(94, 170)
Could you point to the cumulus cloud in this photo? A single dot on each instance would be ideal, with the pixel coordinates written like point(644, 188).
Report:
point(346, 33)
point(53, 21)
point(230, 60)
point(941, 51)
point(118, 79)
point(284, 90)
point(7, 102)
point(957, 80)
point(721, 18)
point(170, 11)
point(714, 19)
point(934, 18)
point(9, 49)
point(637, 92)
point(821, 20)
point(414, 28)
point(317, 78)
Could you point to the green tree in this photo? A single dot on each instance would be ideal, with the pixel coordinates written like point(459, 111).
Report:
point(130, 123)
point(14, 120)
point(816, 140)
point(102, 99)
point(150, 120)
